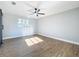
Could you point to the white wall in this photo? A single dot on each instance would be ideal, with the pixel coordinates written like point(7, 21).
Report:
point(63, 25)
point(11, 29)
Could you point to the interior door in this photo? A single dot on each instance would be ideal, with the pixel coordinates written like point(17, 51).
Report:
point(1, 26)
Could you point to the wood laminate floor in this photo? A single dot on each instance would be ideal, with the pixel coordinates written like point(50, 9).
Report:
point(37, 46)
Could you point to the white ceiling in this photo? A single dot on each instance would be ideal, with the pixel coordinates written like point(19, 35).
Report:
point(48, 7)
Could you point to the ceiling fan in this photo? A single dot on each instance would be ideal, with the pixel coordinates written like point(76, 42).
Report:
point(34, 11)
point(37, 12)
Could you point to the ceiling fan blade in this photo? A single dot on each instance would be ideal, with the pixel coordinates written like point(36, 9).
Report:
point(42, 13)
point(37, 15)
point(38, 10)
point(30, 10)
point(29, 13)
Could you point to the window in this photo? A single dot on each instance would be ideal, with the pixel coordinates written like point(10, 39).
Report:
point(19, 21)
point(23, 22)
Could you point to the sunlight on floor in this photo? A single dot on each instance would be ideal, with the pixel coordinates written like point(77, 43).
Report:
point(33, 41)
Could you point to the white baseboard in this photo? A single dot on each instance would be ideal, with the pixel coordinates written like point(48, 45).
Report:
point(4, 38)
point(61, 39)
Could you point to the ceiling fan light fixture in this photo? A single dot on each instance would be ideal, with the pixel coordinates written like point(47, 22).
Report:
point(35, 8)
